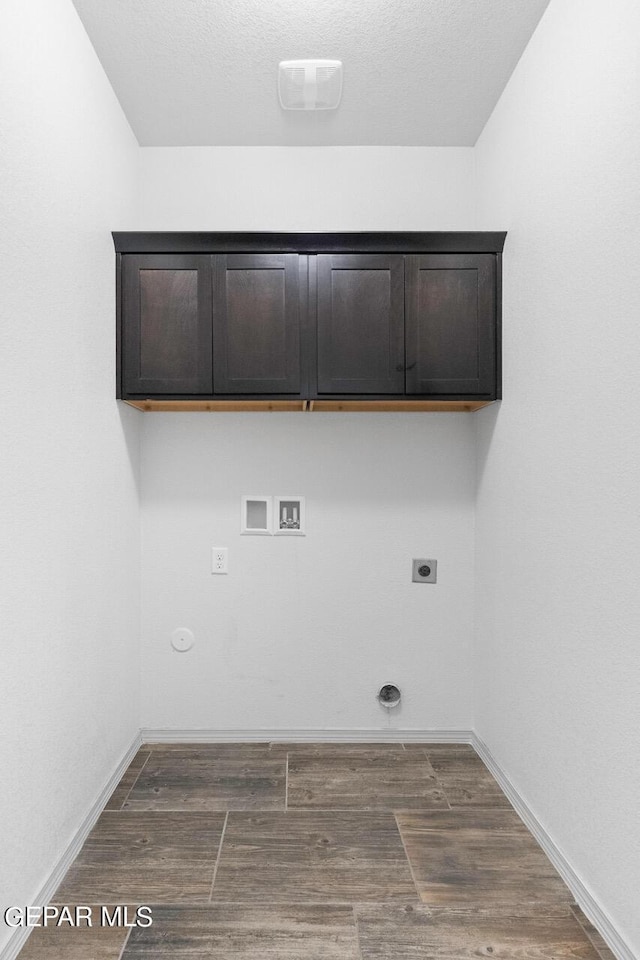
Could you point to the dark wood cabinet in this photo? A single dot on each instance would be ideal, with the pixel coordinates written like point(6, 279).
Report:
point(317, 321)
point(256, 323)
point(166, 313)
point(360, 324)
point(450, 325)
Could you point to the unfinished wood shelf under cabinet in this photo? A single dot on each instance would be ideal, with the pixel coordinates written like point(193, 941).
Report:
point(309, 406)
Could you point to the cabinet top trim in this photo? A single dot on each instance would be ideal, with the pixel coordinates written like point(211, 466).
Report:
point(387, 242)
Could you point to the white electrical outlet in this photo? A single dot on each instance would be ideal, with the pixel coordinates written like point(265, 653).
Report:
point(219, 560)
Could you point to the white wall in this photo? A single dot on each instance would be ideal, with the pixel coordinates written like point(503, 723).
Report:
point(558, 531)
point(69, 584)
point(306, 188)
point(302, 632)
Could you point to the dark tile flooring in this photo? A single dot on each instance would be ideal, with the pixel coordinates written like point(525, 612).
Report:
point(316, 852)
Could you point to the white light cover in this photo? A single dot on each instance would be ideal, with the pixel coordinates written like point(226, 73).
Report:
point(310, 84)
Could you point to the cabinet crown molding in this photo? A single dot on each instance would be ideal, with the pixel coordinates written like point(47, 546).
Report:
point(310, 243)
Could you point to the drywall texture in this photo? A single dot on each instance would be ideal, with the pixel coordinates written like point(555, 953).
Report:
point(304, 630)
point(558, 534)
point(206, 73)
point(306, 188)
point(68, 510)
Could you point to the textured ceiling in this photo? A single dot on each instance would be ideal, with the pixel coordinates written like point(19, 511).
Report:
point(204, 72)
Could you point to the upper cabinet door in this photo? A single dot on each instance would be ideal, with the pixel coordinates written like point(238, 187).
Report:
point(450, 326)
point(360, 336)
point(256, 323)
point(167, 324)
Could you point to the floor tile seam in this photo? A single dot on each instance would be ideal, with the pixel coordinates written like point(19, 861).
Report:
point(544, 910)
point(326, 871)
point(439, 912)
point(306, 760)
point(215, 869)
point(368, 811)
point(596, 946)
point(155, 860)
point(202, 757)
point(124, 945)
point(404, 768)
point(588, 931)
point(347, 904)
point(510, 831)
point(356, 924)
point(415, 788)
point(201, 814)
point(275, 905)
point(408, 859)
point(286, 783)
point(148, 757)
point(133, 902)
point(514, 830)
point(365, 811)
point(424, 809)
point(137, 806)
point(603, 952)
point(110, 805)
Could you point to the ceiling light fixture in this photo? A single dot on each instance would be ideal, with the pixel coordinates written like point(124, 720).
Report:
point(310, 84)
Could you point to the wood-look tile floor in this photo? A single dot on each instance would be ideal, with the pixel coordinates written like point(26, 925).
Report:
point(316, 852)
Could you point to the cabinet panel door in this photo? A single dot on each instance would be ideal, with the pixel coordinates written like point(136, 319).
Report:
point(256, 323)
point(167, 324)
point(450, 325)
point(360, 317)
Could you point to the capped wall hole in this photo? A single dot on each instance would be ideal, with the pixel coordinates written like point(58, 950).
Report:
point(182, 639)
point(389, 695)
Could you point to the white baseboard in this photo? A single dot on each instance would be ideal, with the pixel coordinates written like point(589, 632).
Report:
point(149, 735)
point(583, 897)
point(19, 937)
